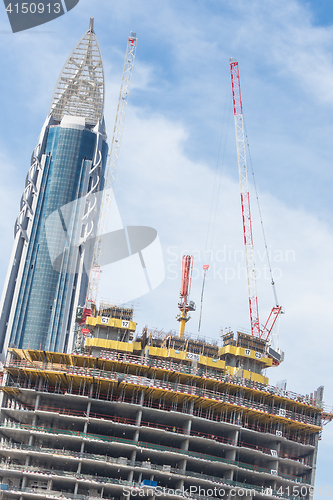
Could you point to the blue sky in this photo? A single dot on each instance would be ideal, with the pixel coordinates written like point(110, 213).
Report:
point(170, 169)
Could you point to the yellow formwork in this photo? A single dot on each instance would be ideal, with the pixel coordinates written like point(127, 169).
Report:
point(240, 351)
point(182, 356)
point(255, 377)
point(113, 345)
point(112, 322)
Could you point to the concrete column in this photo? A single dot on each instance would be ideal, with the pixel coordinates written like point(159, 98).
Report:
point(88, 408)
point(234, 435)
point(187, 427)
point(40, 383)
point(142, 397)
point(131, 472)
point(184, 445)
point(191, 407)
point(273, 465)
point(24, 481)
point(180, 484)
point(275, 447)
point(138, 423)
point(182, 464)
point(3, 401)
point(231, 454)
point(49, 484)
point(87, 415)
point(138, 418)
point(314, 460)
point(31, 439)
point(229, 474)
point(37, 402)
point(76, 487)
point(79, 468)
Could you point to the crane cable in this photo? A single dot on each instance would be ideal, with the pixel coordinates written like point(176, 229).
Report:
point(260, 216)
point(205, 269)
point(215, 199)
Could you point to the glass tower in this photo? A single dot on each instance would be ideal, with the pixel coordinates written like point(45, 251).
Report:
point(54, 232)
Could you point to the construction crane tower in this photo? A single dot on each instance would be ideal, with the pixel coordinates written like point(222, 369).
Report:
point(111, 170)
point(256, 330)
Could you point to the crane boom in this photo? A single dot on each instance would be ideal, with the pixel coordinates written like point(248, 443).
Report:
point(245, 198)
point(111, 169)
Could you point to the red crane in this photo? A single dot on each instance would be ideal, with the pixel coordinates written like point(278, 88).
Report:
point(246, 213)
point(184, 305)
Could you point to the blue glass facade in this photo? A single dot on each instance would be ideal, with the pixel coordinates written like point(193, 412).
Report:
point(41, 292)
point(39, 318)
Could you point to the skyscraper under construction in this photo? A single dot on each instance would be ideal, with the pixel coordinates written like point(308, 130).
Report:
point(146, 415)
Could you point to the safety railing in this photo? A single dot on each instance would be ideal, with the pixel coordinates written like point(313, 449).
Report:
point(175, 430)
point(140, 444)
point(231, 418)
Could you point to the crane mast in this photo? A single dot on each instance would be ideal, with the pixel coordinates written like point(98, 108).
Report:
point(245, 199)
point(111, 169)
point(246, 213)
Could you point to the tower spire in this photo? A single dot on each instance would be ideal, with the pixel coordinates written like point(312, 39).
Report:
point(79, 90)
point(91, 25)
